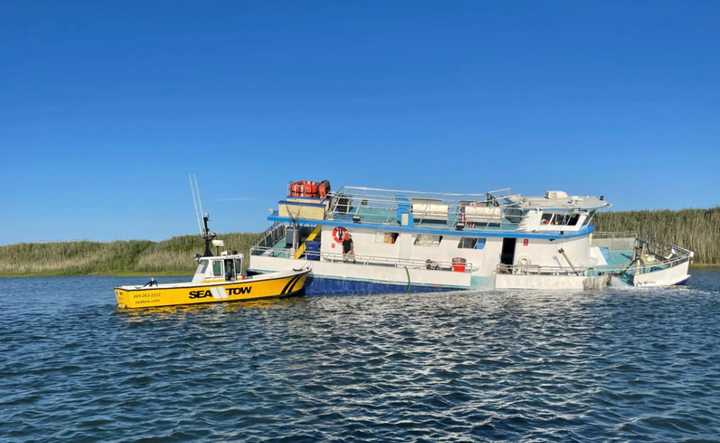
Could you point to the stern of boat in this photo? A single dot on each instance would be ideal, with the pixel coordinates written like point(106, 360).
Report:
point(642, 263)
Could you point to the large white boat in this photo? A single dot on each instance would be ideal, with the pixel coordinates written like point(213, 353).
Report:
point(369, 240)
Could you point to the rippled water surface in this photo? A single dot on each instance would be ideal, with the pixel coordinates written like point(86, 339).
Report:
point(630, 365)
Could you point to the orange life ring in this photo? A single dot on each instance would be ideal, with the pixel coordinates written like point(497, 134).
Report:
point(339, 234)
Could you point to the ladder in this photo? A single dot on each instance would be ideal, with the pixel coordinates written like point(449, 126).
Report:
point(301, 250)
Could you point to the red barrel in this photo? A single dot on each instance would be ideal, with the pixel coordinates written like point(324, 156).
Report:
point(458, 264)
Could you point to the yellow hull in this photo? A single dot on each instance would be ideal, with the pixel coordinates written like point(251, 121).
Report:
point(205, 292)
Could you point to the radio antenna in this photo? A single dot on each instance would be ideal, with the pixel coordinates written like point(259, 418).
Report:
point(200, 215)
point(197, 203)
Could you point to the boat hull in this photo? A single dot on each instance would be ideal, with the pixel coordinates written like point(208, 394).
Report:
point(285, 285)
point(318, 285)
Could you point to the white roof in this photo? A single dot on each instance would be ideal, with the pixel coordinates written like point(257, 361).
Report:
point(586, 202)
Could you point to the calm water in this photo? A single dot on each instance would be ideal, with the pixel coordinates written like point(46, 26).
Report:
point(624, 365)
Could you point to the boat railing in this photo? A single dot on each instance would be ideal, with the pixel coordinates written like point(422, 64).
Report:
point(529, 269)
point(359, 259)
point(272, 235)
point(269, 251)
point(432, 210)
point(629, 241)
point(603, 235)
point(679, 256)
point(614, 241)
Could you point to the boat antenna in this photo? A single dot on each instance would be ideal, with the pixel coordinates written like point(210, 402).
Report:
point(201, 216)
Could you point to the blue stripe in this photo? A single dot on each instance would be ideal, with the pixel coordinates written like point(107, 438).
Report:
point(335, 286)
point(587, 230)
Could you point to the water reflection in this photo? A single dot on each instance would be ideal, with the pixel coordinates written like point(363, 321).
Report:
point(628, 365)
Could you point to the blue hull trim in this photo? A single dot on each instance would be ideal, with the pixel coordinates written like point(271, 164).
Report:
point(334, 286)
point(683, 282)
point(559, 235)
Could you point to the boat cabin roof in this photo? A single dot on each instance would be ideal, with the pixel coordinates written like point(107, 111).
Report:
point(583, 203)
point(498, 210)
point(392, 198)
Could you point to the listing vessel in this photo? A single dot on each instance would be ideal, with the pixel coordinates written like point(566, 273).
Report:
point(371, 240)
point(219, 277)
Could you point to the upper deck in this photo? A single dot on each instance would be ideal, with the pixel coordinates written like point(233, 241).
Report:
point(493, 211)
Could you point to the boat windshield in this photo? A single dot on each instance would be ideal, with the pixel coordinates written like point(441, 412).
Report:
point(202, 267)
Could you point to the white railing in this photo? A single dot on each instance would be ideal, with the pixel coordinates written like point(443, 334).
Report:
point(373, 205)
point(539, 270)
point(359, 259)
point(272, 235)
point(603, 235)
point(682, 257)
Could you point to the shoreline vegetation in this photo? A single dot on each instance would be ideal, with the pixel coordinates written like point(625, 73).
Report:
point(695, 229)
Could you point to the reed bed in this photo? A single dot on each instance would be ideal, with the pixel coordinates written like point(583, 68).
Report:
point(694, 229)
point(174, 255)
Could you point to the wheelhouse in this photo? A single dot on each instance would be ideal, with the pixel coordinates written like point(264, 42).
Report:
point(223, 267)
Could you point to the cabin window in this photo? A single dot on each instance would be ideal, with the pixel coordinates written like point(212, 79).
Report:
point(471, 243)
point(390, 237)
point(217, 268)
point(203, 266)
point(548, 218)
point(386, 237)
point(589, 218)
point(427, 240)
point(238, 265)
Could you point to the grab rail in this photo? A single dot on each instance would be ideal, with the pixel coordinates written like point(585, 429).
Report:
point(360, 259)
point(589, 271)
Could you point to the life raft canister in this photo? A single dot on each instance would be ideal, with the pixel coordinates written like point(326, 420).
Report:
point(339, 233)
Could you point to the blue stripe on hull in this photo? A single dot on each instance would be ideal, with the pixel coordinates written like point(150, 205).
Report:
point(334, 286)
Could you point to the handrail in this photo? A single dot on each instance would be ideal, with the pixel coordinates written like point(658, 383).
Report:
point(271, 234)
point(381, 206)
point(360, 259)
point(659, 249)
point(602, 235)
point(592, 270)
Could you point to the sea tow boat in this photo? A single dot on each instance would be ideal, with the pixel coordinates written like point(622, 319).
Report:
point(218, 278)
point(206, 288)
point(370, 240)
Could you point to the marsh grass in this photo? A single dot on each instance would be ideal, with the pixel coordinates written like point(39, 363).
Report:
point(694, 229)
point(170, 256)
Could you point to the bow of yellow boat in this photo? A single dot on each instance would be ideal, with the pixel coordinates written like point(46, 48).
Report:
point(276, 284)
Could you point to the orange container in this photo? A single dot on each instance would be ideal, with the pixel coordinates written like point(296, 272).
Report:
point(458, 264)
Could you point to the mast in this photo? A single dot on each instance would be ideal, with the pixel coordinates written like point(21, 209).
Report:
point(208, 236)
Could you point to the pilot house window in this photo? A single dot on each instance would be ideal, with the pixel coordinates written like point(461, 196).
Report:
point(203, 266)
point(549, 218)
point(217, 268)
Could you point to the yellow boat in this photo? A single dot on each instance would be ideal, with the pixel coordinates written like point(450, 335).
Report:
point(218, 278)
point(152, 294)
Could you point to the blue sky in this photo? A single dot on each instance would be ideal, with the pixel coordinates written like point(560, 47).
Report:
point(106, 106)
